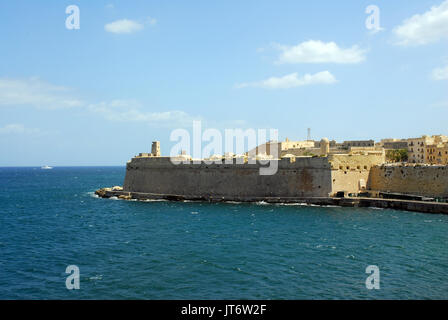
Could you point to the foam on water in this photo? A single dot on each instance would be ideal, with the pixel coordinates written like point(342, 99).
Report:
point(92, 194)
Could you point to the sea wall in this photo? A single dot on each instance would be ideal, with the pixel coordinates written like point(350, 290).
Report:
point(299, 177)
point(430, 181)
point(408, 205)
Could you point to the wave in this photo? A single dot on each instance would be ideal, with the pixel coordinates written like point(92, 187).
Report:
point(93, 194)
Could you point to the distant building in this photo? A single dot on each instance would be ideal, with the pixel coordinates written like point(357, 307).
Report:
point(393, 144)
point(358, 143)
point(315, 148)
point(155, 151)
point(296, 144)
point(417, 147)
point(437, 153)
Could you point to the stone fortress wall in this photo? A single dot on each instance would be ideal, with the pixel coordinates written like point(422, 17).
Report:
point(423, 180)
point(296, 177)
point(305, 177)
point(359, 170)
point(351, 173)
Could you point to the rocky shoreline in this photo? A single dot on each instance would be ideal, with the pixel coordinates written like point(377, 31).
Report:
point(407, 205)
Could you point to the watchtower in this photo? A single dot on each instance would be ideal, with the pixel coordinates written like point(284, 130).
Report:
point(155, 149)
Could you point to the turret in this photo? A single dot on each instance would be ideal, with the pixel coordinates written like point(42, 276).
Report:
point(324, 146)
point(155, 149)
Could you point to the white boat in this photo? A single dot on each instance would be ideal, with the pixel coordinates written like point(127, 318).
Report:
point(46, 167)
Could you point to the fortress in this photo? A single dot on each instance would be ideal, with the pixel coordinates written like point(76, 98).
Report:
point(345, 172)
point(237, 179)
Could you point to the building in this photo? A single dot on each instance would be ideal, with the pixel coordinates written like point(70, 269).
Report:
point(287, 144)
point(155, 151)
point(437, 154)
point(393, 144)
point(358, 143)
point(315, 148)
point(417, 147)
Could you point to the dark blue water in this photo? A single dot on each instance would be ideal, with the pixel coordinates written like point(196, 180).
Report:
point(49, 219)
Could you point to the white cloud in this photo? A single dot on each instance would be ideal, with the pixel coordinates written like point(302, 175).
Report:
point(292, 80)
point(35, 92)
point(316, 51)
point(123, 26)
point(440, 73)
point(425, 28)
point(110, 6)
point(131, 111)
point(17, 128)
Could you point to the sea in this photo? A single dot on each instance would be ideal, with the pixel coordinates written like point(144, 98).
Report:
point(50, 221)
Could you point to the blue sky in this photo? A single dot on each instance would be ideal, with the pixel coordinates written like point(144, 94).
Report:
point(136, 70)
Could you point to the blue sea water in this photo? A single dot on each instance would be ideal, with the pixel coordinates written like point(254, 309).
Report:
point(50, 219)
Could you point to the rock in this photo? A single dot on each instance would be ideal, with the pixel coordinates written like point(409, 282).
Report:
point(101, 192)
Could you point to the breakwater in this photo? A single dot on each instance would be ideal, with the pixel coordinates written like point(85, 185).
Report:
point(408, 205)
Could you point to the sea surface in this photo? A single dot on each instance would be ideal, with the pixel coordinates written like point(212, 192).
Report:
point(50, 219)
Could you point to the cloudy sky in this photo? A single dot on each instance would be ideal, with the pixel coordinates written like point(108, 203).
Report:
point(136, 70)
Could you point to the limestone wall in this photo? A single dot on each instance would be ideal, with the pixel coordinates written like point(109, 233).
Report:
point(351, 172)
point(304, 177)
point(429, 181)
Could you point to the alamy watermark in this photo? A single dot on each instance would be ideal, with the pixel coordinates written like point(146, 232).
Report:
point(72, 281)
point(72, 22)
point(228, 149)
point(373, 20)
point(373, 280)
